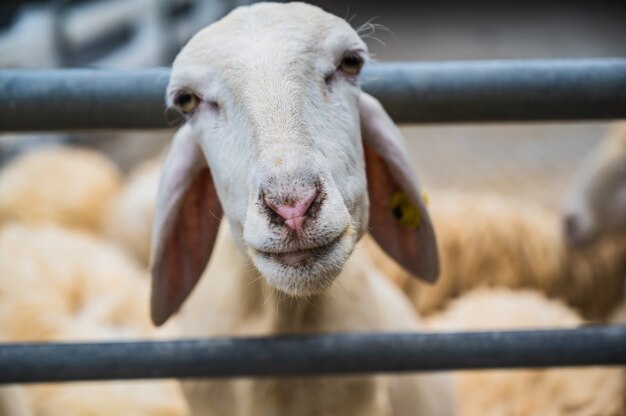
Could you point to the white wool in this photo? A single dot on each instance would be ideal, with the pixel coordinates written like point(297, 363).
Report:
point(69, 186)
point(58, 284)
point(572, 391)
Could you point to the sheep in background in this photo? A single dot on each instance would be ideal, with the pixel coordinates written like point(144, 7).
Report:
point(564, 391)
point(596, 204)
point(489, 240)
point(72, 276)
point(273, 107)
point(69, 186)
point(58, 284)
point(595, 208)
point(145, 398)
point(129, 221)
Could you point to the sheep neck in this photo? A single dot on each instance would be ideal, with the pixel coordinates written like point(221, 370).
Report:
point(243, 303)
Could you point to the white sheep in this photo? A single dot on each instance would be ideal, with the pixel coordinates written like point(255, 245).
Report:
point(491, 240)
point(69, 186)
point(274, 123)
point(566, 391)
point(58, 284)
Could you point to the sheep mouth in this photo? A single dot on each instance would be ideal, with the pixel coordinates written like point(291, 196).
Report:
point(308, 270)
point(302, 258)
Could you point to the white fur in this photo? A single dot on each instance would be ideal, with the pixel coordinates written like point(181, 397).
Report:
point(536, 392)
point(60, 285)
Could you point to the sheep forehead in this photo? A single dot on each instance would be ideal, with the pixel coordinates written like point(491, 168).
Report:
point(280, 32)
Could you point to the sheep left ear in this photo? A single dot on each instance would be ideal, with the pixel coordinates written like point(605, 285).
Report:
point(187, 217)
point(399, 220)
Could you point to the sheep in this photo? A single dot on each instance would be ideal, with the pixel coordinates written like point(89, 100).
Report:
point(73, 275)
point(490, 240)
point(571, 391)
point(596, 204)
point(68, 186)
point(595, 208)
point(275, 152)
point(59, 284)
point(129, 220)
point(594, 211)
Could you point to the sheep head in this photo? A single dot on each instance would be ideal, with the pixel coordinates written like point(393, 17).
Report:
point(596, 205)
point(280, 138)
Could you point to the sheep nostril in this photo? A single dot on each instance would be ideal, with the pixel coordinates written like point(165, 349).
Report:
point(294, 212)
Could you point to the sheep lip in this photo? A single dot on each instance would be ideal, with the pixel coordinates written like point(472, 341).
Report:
point(299, 257)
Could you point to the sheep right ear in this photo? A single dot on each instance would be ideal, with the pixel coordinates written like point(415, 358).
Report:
point(399, 220)
point(187, 219)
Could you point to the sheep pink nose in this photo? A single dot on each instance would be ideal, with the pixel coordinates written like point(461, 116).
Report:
point(295, 212)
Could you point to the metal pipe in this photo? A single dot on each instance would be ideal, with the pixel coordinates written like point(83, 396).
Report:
point(308, 355)
point(75, 99)
point(538, 90)
point(412, 92)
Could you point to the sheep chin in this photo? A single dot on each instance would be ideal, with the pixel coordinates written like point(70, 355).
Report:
point(305, 272)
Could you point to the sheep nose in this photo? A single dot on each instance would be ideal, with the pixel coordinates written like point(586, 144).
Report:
point(293, 210)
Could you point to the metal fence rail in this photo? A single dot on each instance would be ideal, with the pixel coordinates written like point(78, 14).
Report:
point(480, 91)
point(412, 92)
point(312, 355)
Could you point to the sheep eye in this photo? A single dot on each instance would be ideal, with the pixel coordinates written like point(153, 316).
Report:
point(351, 64)
point(186, 101)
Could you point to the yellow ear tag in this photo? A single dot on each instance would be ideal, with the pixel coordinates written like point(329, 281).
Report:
point(405, 213)
point(425, 198)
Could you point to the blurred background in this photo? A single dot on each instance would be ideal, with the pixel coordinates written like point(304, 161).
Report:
point(528, 161)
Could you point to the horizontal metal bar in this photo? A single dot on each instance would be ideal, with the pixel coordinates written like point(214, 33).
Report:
point(479, 91)
point(313, 355)
point(74, 99)
point(534, 90)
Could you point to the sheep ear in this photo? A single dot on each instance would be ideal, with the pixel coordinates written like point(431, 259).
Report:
point(187, 218)
point(399, 221)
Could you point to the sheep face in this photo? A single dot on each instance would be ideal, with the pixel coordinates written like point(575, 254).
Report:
point(277, 120)
point(274, 122)
point(597, 203)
